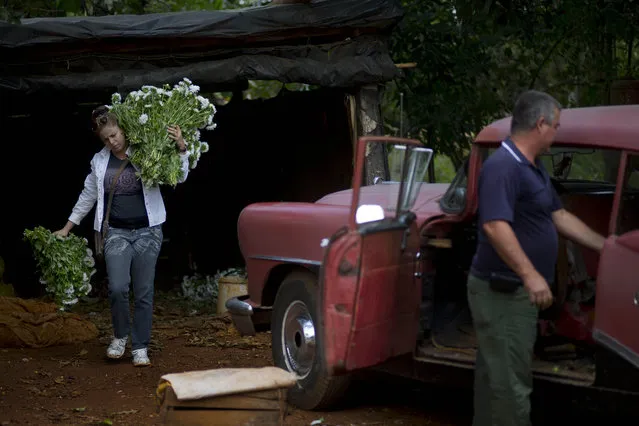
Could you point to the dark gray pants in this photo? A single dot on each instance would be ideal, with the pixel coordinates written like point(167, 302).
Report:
point(131, 256)
point(506, 328)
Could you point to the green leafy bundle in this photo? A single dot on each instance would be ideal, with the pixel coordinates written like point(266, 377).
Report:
point(145, 115)
point(66, 265)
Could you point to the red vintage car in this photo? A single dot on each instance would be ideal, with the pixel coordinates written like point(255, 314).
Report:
point(375, 276)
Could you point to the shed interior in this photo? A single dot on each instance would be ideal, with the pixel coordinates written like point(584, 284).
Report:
point(294, 147)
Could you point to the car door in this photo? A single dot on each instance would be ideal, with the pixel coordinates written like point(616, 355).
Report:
point(617, 298)
point(371, 289)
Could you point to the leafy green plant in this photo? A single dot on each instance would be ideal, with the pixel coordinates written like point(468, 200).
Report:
point(66, 265)
point(145, 115)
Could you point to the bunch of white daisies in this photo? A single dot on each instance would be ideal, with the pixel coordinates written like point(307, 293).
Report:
point(145, 115)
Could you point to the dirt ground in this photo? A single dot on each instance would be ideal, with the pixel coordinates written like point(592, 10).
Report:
point(77, 385)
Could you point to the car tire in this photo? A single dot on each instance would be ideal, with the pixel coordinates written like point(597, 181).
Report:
point(297, 344)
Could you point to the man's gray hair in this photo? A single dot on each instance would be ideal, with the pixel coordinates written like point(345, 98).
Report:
point(530, 107)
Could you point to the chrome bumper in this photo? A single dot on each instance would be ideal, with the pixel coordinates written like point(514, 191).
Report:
point(241, 314)
point(245, 317)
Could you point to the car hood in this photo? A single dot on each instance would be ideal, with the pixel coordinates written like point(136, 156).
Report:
point(385, 194)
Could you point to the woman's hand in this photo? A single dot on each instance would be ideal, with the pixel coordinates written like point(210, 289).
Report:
point(175, 133)
point(61, 233)
point(64, 232)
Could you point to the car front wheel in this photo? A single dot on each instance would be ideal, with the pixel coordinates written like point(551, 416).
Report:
point(297, 344)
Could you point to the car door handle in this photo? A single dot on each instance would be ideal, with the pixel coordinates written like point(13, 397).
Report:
point(637, 299)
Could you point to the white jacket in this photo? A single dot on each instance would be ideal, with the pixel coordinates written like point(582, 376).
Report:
point(94, 191)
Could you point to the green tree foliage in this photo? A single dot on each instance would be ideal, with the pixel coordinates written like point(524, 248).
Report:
point(474, 58)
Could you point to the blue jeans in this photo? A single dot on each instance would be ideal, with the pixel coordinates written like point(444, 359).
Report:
point(131, 256)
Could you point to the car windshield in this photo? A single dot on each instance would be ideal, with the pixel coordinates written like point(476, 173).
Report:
point(582, 164)
point(577, 164)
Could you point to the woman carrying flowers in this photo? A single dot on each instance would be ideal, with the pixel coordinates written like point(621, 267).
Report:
point(134, 233)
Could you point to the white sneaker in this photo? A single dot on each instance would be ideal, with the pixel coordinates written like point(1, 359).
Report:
point(140, 358)
point(116, 348)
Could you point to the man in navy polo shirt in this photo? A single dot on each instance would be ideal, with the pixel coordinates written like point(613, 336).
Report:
point(519, 216)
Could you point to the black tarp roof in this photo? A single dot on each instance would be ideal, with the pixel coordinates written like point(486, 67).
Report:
point(331, 43)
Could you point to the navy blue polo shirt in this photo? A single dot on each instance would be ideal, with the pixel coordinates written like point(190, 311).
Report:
point(514, 190)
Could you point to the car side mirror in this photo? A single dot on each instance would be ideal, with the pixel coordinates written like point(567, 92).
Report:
point(369, 213)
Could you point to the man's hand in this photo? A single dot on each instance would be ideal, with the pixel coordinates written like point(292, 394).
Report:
point(503, 239)
point(538, 290)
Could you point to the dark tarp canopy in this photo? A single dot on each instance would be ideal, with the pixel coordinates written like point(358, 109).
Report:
point(330, 43)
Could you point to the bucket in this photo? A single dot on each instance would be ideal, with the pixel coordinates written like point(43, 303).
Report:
point(228, 288)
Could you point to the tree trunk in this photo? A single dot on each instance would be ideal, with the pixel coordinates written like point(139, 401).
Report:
point(369, 114)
